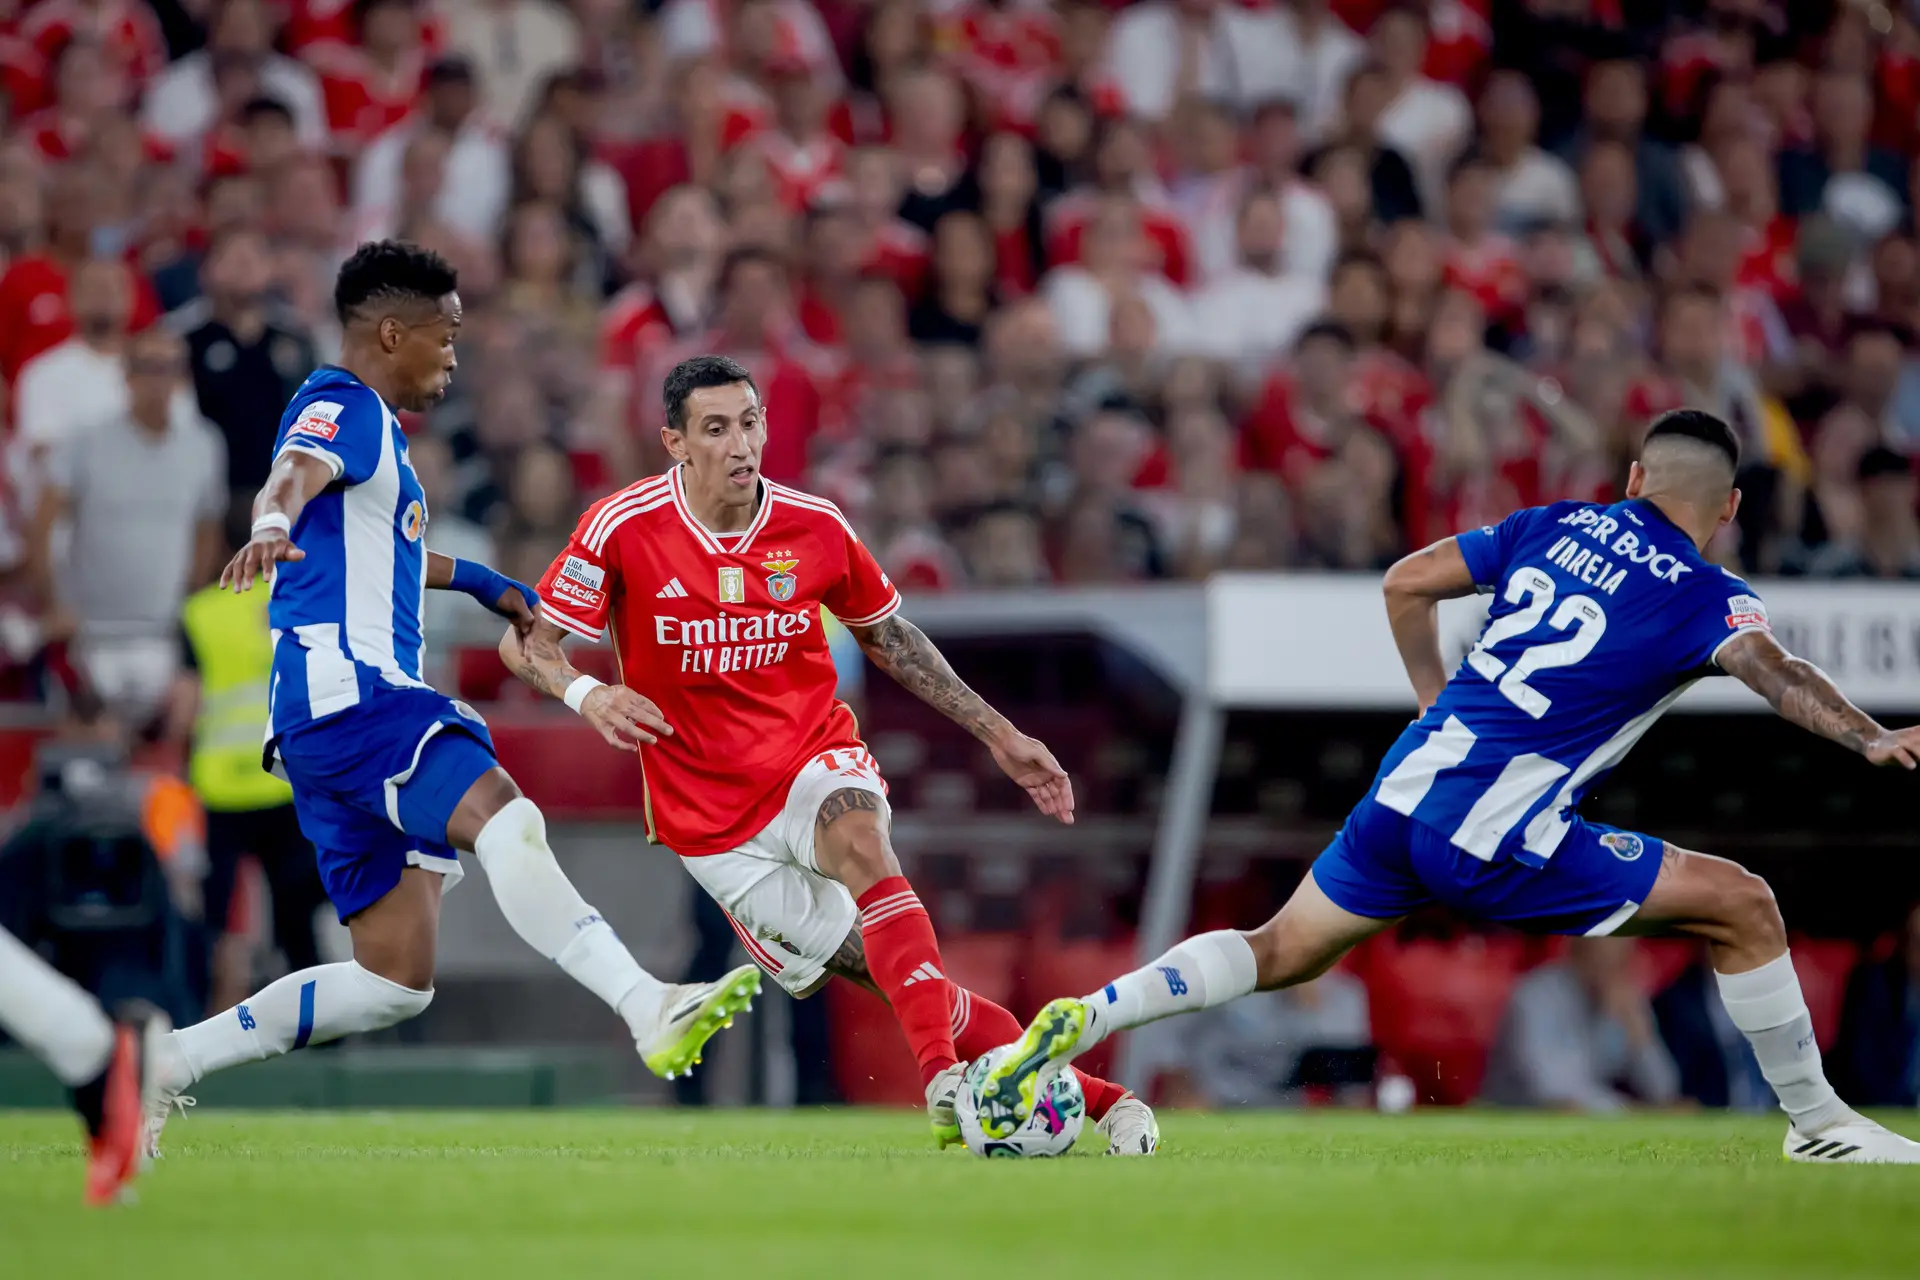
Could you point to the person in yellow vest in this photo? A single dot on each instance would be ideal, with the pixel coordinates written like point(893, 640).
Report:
point(227, 658)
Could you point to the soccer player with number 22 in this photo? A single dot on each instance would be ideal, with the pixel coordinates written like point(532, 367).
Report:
point(710, 579)
point(1602, 615)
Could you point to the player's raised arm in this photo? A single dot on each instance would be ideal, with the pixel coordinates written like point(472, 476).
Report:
point(1802, 693)
point(296, 479)
point(1414, 588)
point(903, 651)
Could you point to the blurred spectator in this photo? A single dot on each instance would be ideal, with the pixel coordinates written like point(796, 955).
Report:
point(1887, 543)
point(1328, 51)
point(1252, 313)
point(551, 163)
point(1222, 52)
point(1394, 188)
point(963, 289)
point(1426, 121)
point(1116, 264)
point(145, 492)
point(371, 82)
point(1282, 1048)
point(1839, 171)
point(1877, 1057)
point(248, 355)
point(1532, 185)
point(183, 104)
point(33, 292)
point(514, 46)
point(473, 191)
point(1715, 1063)
point(80, 381)
point(1579, 1034)
point(1616, 112)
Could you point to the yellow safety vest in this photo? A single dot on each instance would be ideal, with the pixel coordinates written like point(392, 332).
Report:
point(234, 650)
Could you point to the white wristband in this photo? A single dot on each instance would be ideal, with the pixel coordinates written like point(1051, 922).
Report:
point(273, 520)
point(577, 691)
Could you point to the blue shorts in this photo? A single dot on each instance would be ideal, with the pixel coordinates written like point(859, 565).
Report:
point(375, 785)
point(1384, 865)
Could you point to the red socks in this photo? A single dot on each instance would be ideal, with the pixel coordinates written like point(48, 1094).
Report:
point(980, 1025)
point(904, 959)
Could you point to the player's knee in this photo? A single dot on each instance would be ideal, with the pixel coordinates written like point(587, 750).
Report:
point(392, 998)
point(1279, 960)
point(1753, 914)
point(515, 836)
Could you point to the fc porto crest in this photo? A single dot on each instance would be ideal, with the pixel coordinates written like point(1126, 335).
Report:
point(1625, 845)
point(780, 580)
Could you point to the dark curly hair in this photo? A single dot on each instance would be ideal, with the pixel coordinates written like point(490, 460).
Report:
point(390, 271)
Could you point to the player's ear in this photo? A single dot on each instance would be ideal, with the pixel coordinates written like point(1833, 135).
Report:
point(1636, 479)
point(675, 443)
point(1732, 508)
point(392, 334)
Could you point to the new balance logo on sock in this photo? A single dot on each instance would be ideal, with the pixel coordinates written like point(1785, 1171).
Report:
point(1176, 984)
point(925, 973)
point(246, 1018)
point(672, 591)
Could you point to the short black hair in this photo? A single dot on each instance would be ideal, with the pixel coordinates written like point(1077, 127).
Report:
point(1697, 424)
point(265, 105)
point(697, 374)
point(1880, 462)
point(1326, 331)
point(387, 271)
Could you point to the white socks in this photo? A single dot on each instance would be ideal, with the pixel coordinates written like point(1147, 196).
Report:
point(309, 1007)
point(551, 917)
point(1200, 973)
point(50, 1014)
point(1767, 1006)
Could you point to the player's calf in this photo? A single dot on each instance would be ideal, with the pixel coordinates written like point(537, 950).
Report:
point(509, 837)
point(1734, 910)
point(850, 845)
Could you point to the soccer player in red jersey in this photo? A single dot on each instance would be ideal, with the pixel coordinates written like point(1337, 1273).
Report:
point(711, 579)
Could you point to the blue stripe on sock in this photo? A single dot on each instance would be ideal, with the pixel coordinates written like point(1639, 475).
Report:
point(305, 1033)
point(1112, 995)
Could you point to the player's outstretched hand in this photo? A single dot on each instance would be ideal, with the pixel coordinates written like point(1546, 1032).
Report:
point(256, 560)
point(1899, 746)
point(1028, 762)
point(516, 606)
point(625, 719)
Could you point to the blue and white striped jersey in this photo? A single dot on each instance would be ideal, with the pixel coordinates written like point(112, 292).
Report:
point(1602, 616)
point(349, 613)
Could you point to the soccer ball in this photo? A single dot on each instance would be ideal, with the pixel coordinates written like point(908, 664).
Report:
point(1057, 1116)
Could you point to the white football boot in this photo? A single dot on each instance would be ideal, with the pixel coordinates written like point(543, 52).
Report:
point(692, 1014)
point(1130, 1128)
point(1855, 1141)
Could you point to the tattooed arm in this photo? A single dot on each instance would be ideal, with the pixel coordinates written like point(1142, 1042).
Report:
point(1801, 692)
point(623, 718)
point(903, 651)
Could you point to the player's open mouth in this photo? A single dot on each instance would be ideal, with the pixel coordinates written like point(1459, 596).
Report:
point(743, 475)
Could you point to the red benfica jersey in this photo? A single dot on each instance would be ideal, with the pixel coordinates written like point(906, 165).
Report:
point(723, 632)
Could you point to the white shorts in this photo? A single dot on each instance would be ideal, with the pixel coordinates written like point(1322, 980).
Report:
point(791, 918)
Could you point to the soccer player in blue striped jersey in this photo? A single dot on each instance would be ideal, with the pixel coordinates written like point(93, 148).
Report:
point(1602, 615)
point(391, 779)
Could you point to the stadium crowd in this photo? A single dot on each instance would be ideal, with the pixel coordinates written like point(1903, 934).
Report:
point(1039, 292)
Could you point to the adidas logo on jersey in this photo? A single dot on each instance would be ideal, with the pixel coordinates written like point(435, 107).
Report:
point(925, 973)
point(672, 591)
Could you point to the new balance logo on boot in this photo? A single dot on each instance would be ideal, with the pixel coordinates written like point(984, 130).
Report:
point(925, 973)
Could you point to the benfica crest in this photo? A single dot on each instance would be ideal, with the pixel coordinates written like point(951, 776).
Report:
point(780, 579)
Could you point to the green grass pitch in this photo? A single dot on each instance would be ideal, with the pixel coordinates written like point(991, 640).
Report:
point(562, 1195)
